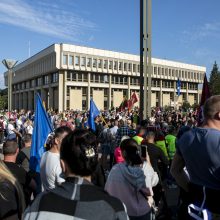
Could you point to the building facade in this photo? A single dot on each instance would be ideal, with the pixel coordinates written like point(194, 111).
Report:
point(66, 76)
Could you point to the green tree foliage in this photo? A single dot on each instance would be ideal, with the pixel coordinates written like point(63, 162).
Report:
point(3, 98)
point(214, 80)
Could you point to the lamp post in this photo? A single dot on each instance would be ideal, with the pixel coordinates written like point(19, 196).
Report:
point(9, 64)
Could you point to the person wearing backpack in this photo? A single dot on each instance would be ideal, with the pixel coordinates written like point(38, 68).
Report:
point(23, 157)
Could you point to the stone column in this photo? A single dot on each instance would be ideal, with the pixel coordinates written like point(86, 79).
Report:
point(61, 91)
point(187, 93)
point(65, 90)
point(110, 92)
point(161, 94)
point(88, 91)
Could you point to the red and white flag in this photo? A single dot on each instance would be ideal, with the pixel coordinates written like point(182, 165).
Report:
point(132, 100)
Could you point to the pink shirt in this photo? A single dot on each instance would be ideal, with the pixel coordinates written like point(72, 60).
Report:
point(118, 156)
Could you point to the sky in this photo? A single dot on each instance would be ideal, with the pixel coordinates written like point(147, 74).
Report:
point(182, 30)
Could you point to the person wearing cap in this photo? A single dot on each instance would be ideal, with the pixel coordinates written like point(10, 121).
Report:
point(77, 197)
point(127, 181)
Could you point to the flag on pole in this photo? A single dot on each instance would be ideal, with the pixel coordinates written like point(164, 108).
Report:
point(132, 100)
point(205, 95)
point(178, 87)
point(124, 104)
point(93, 113)
point(42, 128)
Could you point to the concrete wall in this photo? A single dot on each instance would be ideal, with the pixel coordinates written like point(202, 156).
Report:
point(191, 99)
point(166, 99)
point(76, 99)
point(153, 99)
point(98, 97)
point(117, 98)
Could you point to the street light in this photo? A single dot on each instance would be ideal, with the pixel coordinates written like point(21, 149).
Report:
point(9, 64)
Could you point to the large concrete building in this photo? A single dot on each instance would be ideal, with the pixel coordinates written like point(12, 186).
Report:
point(67, 76)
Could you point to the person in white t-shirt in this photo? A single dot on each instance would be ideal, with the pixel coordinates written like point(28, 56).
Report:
point(50, 169)
point(12, 133)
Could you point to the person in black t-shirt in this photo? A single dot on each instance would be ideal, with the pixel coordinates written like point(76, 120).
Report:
point(10, 152)
point(11, 195)
point(158, 159)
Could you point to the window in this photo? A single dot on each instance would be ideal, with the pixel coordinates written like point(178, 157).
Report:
point(106, 78)
point(46, 80)
point(120, 66)
point(83, 61)
point(162, 73)
point(70, 60)
point(84, 91)
point(32, 83)
point(155, 70)
point(134, 68)
point(96, 78)
point(80, 77)
point(64, 59)
point(110, 65)
point(138, 68)
point(169, 72)
point(73, 76)
point(125, 66)
point(55, 77)
point(105, 92)
point(105, 64)
point(89, 61)
point(85, 78)
point(115, 65)
point(77, 61)
point(99, 63)
point(94, 63)
point(129, 67)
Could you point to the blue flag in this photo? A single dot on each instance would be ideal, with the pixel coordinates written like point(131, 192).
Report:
point(42, 128)
point(178, 87)
point(93, 113)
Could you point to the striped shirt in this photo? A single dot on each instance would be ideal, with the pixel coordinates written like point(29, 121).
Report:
point(76, 199)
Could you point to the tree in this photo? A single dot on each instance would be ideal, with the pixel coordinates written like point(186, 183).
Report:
point(214, 80)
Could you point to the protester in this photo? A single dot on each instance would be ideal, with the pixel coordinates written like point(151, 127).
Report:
point(50, 169)
point(23, 157)
point(12, 202)
point(10, 152)
point(198, 151)
point(127, 181)
point(77, 197)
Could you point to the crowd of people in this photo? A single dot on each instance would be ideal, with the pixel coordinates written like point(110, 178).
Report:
point(120, 170)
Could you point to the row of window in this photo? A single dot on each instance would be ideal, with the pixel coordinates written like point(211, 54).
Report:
point(161, 71)
point(40, 81)
point(123, 66)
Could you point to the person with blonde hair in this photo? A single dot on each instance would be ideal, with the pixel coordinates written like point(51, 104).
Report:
point(11, 195)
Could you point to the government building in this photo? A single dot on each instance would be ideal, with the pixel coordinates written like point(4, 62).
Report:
point(66, 76)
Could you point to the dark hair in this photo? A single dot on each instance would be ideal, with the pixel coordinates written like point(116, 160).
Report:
point(131, 151)
point(27, 138)
point(10, 147)
point(78, 150)
point(211, 107)
point(61, 130)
